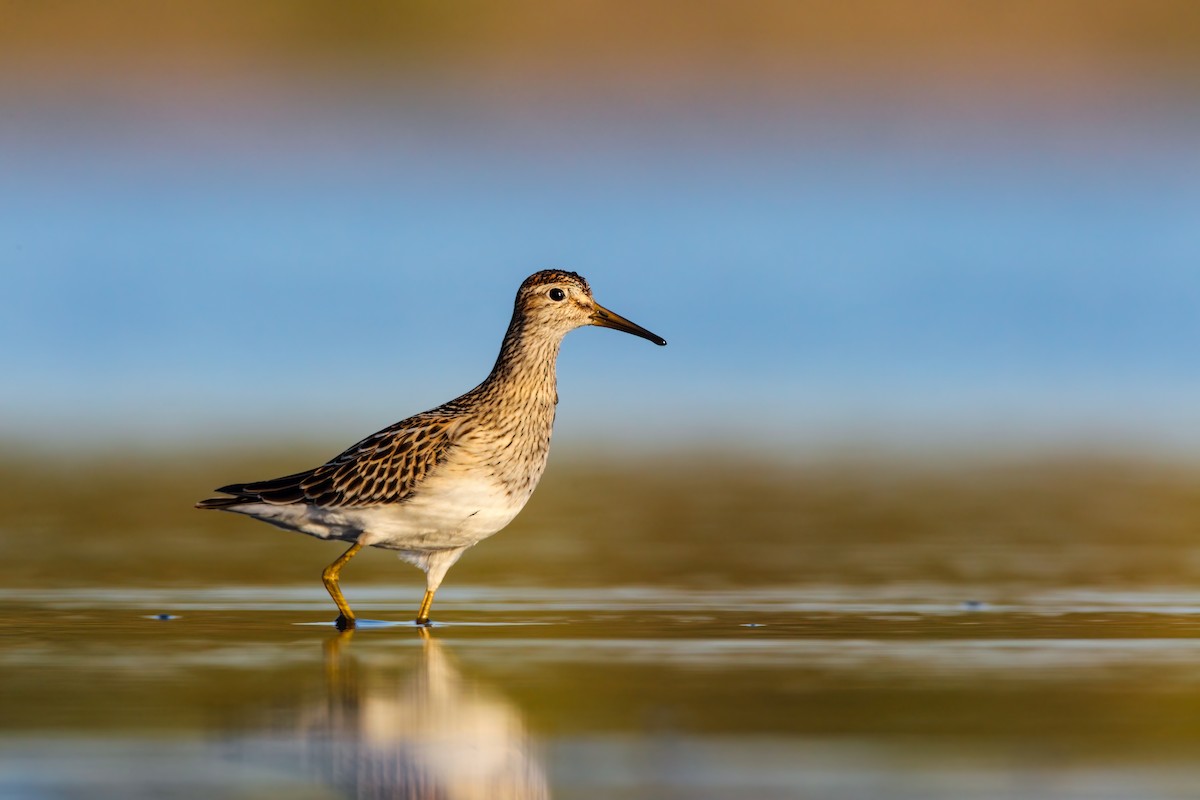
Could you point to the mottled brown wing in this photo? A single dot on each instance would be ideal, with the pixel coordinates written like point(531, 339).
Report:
point(386, 467)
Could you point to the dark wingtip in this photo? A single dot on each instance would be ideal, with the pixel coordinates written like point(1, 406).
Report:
point(219, 502)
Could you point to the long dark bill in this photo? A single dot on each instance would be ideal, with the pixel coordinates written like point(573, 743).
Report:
point(607, 319)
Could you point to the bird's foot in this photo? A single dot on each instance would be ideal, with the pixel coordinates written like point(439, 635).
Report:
point(344, 623)
point(424, 622)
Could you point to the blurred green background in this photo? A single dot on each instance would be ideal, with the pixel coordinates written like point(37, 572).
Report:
point(984, 529)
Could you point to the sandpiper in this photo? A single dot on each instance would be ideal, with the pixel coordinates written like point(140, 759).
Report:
point(434, 484)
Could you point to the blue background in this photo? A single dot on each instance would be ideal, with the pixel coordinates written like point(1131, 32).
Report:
point(317, 265)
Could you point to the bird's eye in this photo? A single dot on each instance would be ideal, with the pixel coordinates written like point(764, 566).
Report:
point(557, 294)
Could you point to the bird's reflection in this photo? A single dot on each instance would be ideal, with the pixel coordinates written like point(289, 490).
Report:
point(428, 733)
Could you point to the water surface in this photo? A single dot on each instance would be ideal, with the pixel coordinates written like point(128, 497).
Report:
point(250, 692)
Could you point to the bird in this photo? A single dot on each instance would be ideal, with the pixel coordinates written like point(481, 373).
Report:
point(436, 483)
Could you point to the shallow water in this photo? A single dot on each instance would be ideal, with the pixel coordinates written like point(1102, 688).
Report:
point(830, 692)
point(837, 630)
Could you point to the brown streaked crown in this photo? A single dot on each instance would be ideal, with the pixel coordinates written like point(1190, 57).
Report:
point(548, 277)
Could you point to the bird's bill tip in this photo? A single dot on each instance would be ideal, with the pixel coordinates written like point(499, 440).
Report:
point(607, 319)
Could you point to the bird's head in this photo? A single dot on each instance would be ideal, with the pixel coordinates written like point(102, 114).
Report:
point(561, 301)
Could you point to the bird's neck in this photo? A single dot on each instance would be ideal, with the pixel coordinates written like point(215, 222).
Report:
point(525, 368)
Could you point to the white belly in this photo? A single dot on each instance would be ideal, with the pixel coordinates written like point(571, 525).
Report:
point(450, 511)
point(445, 514)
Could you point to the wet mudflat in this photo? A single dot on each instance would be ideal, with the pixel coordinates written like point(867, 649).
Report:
point(1029, 632)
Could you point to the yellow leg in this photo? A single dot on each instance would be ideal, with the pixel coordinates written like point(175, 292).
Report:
point(330, 577)
point(423, 614)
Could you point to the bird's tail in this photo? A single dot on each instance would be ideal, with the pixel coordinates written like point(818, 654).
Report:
point(278, 491)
